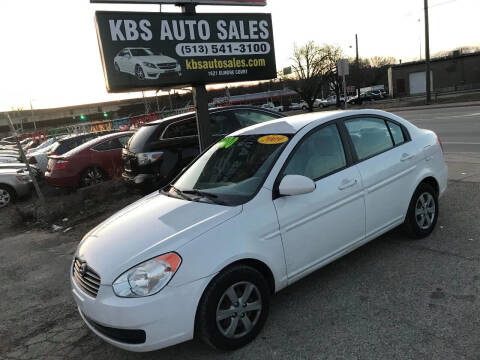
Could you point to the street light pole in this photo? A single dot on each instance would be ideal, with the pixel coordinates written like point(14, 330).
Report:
point(427, 54)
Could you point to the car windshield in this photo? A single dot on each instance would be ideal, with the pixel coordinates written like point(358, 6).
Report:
point(141, 52)
point(231, 171)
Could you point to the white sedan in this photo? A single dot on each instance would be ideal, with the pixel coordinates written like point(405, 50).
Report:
point(256, 212)
point(144, 63)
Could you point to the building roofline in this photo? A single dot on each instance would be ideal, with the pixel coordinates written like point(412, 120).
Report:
point(443, 58)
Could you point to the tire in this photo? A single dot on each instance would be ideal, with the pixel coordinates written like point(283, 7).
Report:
point(139, 72)
point(304, 108)
point(92, 176)
point(422, 212)
point(217, 301)
point(7, 195)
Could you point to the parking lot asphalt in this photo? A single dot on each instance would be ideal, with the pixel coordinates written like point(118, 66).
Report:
point(393, 298)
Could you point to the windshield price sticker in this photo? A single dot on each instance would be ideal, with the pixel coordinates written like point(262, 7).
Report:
point(142, 51)
point(227, 142)
point(273, 139)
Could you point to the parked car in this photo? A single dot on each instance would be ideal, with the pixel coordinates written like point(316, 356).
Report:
point(40, 157)
point(145, 63)
point(95, 161)
point(69, 142)
point(254, 213)
point(295, 106)
point(162, 148)
point(21, 166)
point(318, 103)
point(8, 159)
point(272, 107)
point(366, 96)
point(14, 183)
point(44, 144)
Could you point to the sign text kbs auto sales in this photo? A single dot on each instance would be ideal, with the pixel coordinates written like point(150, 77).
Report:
point(152, 50)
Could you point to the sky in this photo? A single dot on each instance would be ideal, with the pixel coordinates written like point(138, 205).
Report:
point(50, 54)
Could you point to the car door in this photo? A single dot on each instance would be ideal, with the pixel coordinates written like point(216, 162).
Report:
point(320, 226)
point(386, 161)
point(108, 155)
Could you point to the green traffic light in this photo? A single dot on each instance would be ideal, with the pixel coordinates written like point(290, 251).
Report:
point(105, 115)
point(82, 117)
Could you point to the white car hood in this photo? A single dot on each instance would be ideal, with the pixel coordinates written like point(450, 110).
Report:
point(147, 228)
point(155, 59)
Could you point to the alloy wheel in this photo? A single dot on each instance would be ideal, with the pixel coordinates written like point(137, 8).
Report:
point(238, 310)
point(139, 72)
point(425, 211)
point(92, 176)
point(4, 198)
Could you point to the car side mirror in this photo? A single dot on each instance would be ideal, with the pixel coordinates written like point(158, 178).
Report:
point(295, 185)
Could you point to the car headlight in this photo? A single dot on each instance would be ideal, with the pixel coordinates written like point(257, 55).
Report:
point(150, 65)
point(147, 278)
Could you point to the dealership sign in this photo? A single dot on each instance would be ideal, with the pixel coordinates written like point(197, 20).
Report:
point(143, 51)
point(183, 2)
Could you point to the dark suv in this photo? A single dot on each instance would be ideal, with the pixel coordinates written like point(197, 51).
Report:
point(161, 149)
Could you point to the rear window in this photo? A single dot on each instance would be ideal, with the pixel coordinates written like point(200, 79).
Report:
point(137, 142)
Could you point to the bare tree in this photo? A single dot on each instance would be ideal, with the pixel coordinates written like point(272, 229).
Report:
point(381, 61)
point(311, 67)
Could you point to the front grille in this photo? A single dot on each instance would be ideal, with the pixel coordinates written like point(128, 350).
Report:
point(167, 65)
point(121, 335)
point(86, 278)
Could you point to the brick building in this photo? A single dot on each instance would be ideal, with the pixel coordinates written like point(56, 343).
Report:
point(457, 72)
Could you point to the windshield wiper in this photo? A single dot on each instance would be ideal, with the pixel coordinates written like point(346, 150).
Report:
point(177, 191)
point(210, 196)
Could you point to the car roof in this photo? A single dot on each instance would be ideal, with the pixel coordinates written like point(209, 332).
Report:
point(96, 141)
point(211, 110)
point(292, 124)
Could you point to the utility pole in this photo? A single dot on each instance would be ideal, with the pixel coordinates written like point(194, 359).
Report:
point(427, 55)
point(200, 98)
point(33, 117)
point(358, 68)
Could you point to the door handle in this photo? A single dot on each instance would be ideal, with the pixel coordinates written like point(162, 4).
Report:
point(406, 157)
point(347, 183)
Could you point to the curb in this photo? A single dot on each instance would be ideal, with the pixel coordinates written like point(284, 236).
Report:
point(434, 106)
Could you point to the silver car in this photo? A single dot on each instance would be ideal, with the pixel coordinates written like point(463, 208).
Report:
point(13, 184)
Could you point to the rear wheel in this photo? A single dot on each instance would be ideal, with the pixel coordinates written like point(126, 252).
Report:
point(233, 308)
point(92, 176)
point(422, 212)
point(7, 195)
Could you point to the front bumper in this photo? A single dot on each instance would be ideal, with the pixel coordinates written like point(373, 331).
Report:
point(137, 180)
point(166, 318)
point(151, 73)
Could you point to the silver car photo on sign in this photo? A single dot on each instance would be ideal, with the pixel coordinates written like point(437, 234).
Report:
point(145, 64)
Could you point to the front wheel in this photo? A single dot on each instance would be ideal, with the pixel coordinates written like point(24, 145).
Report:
point(139, 73)
point(233, 308)
point(422, 212)
point(7, 195)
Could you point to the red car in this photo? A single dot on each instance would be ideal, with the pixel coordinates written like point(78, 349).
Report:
point(90, 163)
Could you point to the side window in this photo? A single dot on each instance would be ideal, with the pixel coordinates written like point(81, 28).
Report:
point(124, 139)
point(318, 155)
point(222, 123)
point(397, 133)
point(108, 145)
point(370, 136)
point(181, 129)
point(246, 117)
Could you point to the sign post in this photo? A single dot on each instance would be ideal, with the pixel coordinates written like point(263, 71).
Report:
point(343, 70)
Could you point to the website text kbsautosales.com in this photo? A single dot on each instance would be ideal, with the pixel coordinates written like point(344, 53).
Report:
point(218, 64)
